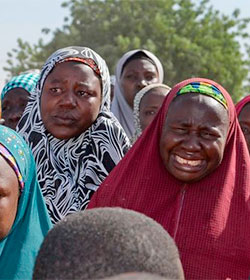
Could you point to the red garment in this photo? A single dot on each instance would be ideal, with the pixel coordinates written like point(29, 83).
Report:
point(209, 219)
point(242, 103)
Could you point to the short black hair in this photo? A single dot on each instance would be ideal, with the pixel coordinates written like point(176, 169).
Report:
point(103, 242)
point(135, 276)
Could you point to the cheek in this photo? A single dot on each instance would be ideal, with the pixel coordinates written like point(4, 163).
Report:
point(8, 210)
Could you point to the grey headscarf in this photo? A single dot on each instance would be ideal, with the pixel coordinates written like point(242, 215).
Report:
point(70, 171)
point(119, 106)
point(137, 101)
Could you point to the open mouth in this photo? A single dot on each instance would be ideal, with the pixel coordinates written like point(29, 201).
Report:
point(184, 161)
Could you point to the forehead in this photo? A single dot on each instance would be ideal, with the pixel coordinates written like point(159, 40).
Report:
point(16, 93)
point(152, 97)
point(198, 107)
point(74, 69)
point(6, 171)
point(138, 64)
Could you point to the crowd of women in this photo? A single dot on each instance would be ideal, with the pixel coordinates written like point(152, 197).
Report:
point(179, 156)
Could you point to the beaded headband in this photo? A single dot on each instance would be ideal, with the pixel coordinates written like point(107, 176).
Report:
point(206, 89)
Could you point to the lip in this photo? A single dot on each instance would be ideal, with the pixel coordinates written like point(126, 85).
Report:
point(188, 165)
point(64, 119)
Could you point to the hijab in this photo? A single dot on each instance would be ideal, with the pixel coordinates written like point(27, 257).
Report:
point(70, 171)
point(137, 101)
point(19, 248)
point(208, 219)
point(119, 106)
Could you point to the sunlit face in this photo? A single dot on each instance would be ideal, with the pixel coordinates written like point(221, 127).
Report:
point(71, 99)
point(194, 136)
point(13, 105)
point(137, 74)
point(150, 105)
point(244, 120)
point(9, 194)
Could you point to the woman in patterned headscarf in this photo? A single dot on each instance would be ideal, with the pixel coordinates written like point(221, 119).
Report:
point(190, 171)
point(24, 220)
point(15, 96)
point(75, 139)
point(135, 70)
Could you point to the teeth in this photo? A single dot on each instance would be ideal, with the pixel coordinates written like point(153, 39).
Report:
point(188, 162)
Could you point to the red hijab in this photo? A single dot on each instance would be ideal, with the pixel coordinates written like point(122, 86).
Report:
point(209, 219)
point(239, 106)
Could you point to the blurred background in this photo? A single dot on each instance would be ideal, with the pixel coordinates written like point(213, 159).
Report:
point(208, 38)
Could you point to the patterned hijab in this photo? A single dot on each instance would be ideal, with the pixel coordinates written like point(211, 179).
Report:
point(119, 106)
point(208, 219)
point(70, 171)
point(19, 248)
point(137, 101)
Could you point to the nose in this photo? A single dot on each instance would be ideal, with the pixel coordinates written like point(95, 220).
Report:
point(68, 100)
point(191, 143)
point(141, 83)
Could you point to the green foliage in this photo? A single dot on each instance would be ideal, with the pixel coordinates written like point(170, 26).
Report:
point(190, 40)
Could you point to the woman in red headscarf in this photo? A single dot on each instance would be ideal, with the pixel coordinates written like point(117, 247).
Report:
point(243, 112)
point(190, 171)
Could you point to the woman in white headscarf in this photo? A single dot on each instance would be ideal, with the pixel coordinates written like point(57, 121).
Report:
point(135, 70)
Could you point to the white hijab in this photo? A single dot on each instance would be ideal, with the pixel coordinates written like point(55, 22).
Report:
point(119, 106)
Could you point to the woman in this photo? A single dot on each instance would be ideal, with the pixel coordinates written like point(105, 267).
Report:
point(24, 220)
point(190, 171)
point(135, 70)
point(74, 138)
point(243, 112)
point(15, 96)
point(147, 103)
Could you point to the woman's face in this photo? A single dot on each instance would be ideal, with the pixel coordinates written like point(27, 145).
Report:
point(244, 120)
point(13, 105)
point(150, 105)
point(71, 99)
point(9, 194)
point(194, 136)
point(137, 74)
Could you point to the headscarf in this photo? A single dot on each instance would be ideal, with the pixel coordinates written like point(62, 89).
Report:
point(239, 106)
point(70, 171)
point(137, 100)
point(19, 248)
point(26, 81)
point(119, 106)
point(208, 219)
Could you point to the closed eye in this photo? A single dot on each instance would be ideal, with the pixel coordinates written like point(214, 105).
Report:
point(180, 130)
point(208, 135)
